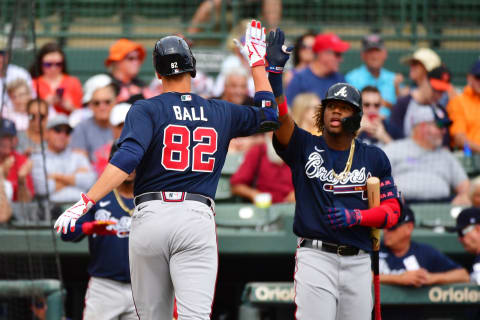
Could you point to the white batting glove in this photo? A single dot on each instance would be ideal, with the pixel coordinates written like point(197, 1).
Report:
point(255, 47)
point(72, 214)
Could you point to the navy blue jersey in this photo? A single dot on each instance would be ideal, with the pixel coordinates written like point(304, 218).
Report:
point(313, 165)
point(184, 140)
point(108, 254)
point(426, 256)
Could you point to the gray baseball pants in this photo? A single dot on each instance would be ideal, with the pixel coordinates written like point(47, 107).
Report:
point(332, 287)
point(173, 253)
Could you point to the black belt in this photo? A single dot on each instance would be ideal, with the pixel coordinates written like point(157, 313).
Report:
point(341, 250)
point(164, 196)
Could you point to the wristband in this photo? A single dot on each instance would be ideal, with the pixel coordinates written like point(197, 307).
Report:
point(283, 108)
point(275, 80)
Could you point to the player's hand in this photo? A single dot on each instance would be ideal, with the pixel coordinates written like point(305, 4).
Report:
point(343, 218)
point(100, 227)
point(255, 46)
point(72, 214)
point(277, 53)
point(416, 278)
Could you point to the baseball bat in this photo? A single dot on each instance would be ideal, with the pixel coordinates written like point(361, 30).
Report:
point(373, 191)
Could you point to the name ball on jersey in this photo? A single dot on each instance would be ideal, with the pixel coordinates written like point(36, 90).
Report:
point(182, 113)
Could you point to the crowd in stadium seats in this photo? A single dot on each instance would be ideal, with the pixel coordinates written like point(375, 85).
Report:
point(396, 117)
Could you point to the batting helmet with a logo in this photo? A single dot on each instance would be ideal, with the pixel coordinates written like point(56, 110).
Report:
point(349, 94)
point(172, 56)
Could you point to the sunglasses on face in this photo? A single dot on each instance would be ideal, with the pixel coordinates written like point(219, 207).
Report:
point(34, 116)
point(62, 129)
point(97, 103)
point(305, 46)
point(367, 105)
point(52, 64)
point(132, 58)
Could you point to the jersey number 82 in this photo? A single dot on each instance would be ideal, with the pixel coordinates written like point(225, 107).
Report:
point(176, 148)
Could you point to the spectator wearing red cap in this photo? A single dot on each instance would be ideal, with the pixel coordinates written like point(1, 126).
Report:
point(464, 111)
point(322, 72)
point(124, 62)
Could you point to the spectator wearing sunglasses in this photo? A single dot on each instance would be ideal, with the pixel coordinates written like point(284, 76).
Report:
point(92, 134)
point(322, 72)
point(52, 82)
point(124, 62)
point(68, 172)
point(422, 168)
point(372, 129)
point(29, 140)
point(465, 112)
point(409, 263)
point(9, 72)
point(302, 55)
point(15, 167)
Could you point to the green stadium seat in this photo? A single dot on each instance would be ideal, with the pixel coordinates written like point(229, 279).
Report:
point(435, 214)
point(244, 216)
point(232, 162)
point(223, 189)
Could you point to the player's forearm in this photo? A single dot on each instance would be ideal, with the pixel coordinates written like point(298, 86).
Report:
point(260, 79)
point(384, 216)
point(284, 133)
point(111, 178)
point(453, 276)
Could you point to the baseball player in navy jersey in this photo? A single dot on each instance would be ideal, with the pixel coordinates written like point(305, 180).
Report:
point(177, 142)
point(332, 220)
point(107, 224)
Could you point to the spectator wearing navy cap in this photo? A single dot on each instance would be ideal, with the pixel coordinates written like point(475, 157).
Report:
point(372, 73)
point(322, 72)
point(464, 111)
point(14, 166)
point(409, 263)
point(468, 228)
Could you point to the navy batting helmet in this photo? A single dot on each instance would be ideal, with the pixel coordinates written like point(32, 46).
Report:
point(349, 94)
point(172, 56)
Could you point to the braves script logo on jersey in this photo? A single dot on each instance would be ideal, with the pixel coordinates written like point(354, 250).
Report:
point(342, 92)
point(352, 182)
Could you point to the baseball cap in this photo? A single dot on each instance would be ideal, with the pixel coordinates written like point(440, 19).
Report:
point(431, 114)
point(121, 48)
point(58, 120)
point(93, 83)
point(466, 219)
point(329, 41)
point(7, 128)
point(119, 113)
point(425, 56)
point(407, 216)
point(440, 78)
point(372, 41)
point(475, 69)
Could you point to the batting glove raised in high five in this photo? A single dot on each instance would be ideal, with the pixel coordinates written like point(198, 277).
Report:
point(255, 46)
point(343, 218)
point(277, 53)
point(72, 214)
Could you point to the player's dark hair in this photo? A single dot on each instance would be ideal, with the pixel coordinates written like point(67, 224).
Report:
point(372, 89)
point(298, 46)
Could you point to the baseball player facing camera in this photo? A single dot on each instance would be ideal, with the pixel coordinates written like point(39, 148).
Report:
point(177, 142)
point(332, 221)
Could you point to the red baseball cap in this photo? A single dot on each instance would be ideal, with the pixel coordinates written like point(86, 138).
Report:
point(329, 41)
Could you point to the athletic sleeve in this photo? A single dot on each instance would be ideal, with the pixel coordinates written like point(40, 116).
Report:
point(291, 153)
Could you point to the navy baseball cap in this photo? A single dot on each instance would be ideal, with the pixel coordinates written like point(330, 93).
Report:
point(407, 216)
point(7, 128)
point(475, 69)
point(466, 220)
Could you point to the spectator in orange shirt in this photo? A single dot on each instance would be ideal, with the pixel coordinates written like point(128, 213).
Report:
point(262, 171)
point(52, 82)
point(464, 111)
point(16, 168)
